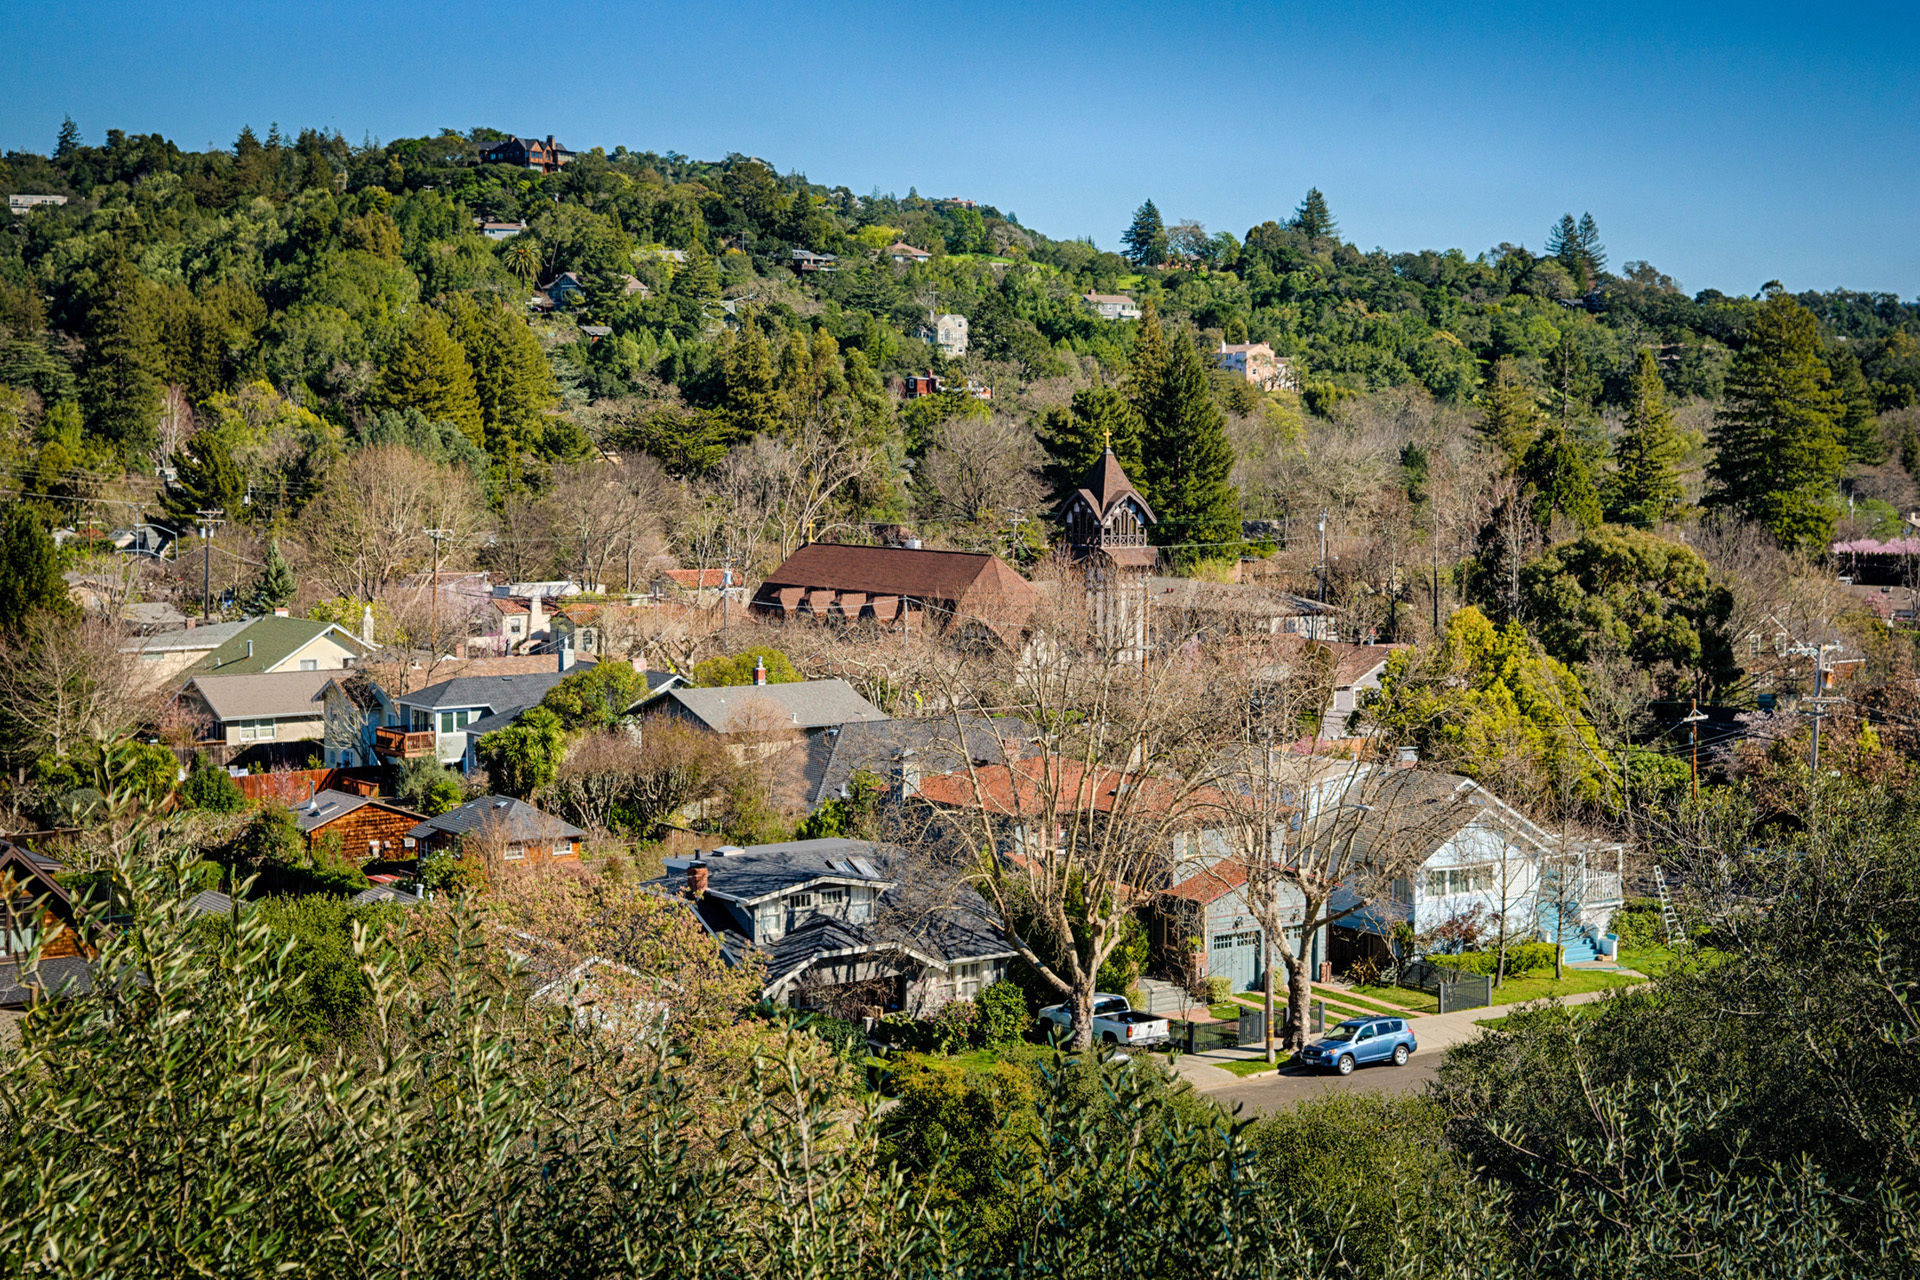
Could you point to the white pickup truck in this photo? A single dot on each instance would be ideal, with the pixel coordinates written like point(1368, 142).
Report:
point(1115, 1022)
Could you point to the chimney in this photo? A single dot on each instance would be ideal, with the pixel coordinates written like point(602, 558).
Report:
point(906, 775)
point(279, 613)
point(366, 625)
point(249, 648)
point(759, 671)
point(697, 879)
point(565, 650)
point(1409, 756)
point(536, 618)
point(460, 649)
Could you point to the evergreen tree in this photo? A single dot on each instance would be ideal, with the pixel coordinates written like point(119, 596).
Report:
point(751, 395)
point(1556, 479)
point(207, 479)
point(1778, 451)
point(1592, 252)
point(1859, 423)
point(69, 140)
point(1146, 238)
point(1077, 435)
point(1147, 362)
point(1313, 219)
point(1510, 412)
point(430, 372)
point(1910, 451)
point(118, 389)
point(30, 580)
point(1185, 459)
point(697, 279)
point(1577, 247)
point(1645, 487)
point(276, 586)
point(512, 381)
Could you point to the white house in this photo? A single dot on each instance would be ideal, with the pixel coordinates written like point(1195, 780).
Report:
point(1112, 306)
point(947, 332)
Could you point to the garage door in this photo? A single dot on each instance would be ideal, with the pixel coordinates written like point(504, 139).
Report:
point(1235, 957)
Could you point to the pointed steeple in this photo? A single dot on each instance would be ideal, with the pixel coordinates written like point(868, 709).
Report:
point(1105, 487)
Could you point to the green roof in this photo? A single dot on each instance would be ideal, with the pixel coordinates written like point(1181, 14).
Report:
point(266, 643)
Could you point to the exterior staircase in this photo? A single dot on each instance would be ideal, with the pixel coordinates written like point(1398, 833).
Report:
point(1165, 999)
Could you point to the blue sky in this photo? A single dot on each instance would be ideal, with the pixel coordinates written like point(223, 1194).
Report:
point(1727, 144)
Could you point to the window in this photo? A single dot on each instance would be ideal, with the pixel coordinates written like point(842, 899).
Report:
point(255, 730)
point(1228, 941)
point(515, 852)
point(833, 897)
point(799, 901)
point(1445, 880)
point(450, 721)
point(966, 980)
point(309, 664)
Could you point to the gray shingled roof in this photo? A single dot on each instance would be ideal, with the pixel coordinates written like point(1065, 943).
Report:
point(518, 820)
point(938, 747)
point(209, 902)
point(386, 893)
point(499, 693)
point(50, 979)
point(769, 869)
point(328, 805)
point(281, 694)
point(810, 704)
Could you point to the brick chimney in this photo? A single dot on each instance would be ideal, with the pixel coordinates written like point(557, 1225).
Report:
point(697, 879)
point(759, 671)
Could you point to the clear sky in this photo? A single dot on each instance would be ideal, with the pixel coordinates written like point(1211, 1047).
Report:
point(1727, 144)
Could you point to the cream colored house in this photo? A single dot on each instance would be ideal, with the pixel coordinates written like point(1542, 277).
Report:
point(1256, 362)
point(252, 646)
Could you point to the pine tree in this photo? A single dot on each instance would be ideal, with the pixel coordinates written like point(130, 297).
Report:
point(1313, 219)
point(751, 395)
point(1910, 451)
point(1778, 451)
point(512, 381)
point(1185, 459)
point(1146, 238)
point(1859, 423)
point(1577, 247)
point(1645, 487)
point(430, 372)
point(1076, 436)
point(276, 586)
point(206, 479)
point(1592, 252)
point(697, 279)
point(118, 388)
point(30, 580)
point(69, 140)
point(1511, 412)
point(1147, 362)
point(1556, 479)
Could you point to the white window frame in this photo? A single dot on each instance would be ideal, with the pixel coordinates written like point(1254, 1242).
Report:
point(250, 730)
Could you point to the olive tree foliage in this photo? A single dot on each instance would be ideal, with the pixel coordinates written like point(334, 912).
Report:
point(169, 1126)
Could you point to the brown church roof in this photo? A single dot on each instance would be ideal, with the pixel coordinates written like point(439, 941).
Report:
point(967, 585)
point(1106, 485)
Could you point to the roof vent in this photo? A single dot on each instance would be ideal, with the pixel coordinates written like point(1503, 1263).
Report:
point(727, 851)
point(249, 648)
point(501, 804)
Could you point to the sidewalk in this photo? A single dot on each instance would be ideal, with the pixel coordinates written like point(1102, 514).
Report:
point(1437, 1031)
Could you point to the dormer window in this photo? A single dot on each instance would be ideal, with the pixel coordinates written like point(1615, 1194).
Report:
point(799, 901)
point(833, 897)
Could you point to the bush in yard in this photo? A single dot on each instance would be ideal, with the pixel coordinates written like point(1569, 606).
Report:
point(1219, 989)
point(1004, 1016)
point(1639, 924)
point(211, 789)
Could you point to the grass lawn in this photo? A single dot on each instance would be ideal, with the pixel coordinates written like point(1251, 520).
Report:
point(1543, 987)
point(1403, 998)
point(1253, 1066)
point(1653, 961)
point(1226, 1010)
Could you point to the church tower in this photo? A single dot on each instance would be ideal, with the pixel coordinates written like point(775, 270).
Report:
point(1107, 535)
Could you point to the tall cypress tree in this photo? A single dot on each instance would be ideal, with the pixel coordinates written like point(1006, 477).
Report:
point(118, 387)
point(1778, 451)
point(1185, 459)
point(1146, 237)
point(1510, 412)
point(1645, 486)
point(1859, 423)
point(1076, 436)
point(207, 479)
point(430, 372)
point(1556, 479)
point(512, 382)
point(751, 394)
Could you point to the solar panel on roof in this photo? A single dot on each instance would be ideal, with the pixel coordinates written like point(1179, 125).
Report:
point(844, 867)
point(866, 868)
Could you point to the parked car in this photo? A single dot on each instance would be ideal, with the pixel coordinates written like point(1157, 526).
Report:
point(1115, 1022)
point(1359, 1041)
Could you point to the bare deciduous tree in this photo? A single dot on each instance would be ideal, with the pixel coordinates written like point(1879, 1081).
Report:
point(68, 685)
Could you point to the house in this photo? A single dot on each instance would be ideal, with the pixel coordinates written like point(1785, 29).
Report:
point(634, 287)
point(37, 909)
point(241, 710)
point(502, 230)
point(367, 827)
point(900, 251)
point(1237, 608)
point(702, 587)
point(969, 597)
point(933, 744)
point(19, 205)
point(805, 260)
point(1112, 306)
point(595, 332)
point(565, 290)
point(528, 153)
point(278, 643)
point(1204, 926)
point(837, 925)
point(915, 385)
point(758, 718)
point(1256, 362)
point(445, 719)
point(500, 826)
point(1470, 852)
point(365, 723)
point(948, 333)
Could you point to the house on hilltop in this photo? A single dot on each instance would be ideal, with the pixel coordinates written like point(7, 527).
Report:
point(528, 153)
point(1256, 362)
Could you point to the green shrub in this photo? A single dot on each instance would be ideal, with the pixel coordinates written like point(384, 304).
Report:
point(1219, 989)
point(1004, 1016)
point(1640, 925)
point(1522, 958)
point(211, 789)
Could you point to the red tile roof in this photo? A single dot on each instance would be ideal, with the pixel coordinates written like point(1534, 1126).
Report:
point(1214, 883)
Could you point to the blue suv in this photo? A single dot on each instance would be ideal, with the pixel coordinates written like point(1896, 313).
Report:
point(1358, 1041)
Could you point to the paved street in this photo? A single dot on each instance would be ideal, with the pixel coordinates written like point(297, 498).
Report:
point(1296, 1084)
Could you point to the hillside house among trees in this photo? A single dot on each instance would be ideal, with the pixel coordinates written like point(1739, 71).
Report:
point(1256, 362)
point(496, 830)
point(540, 156)
point(1112, 306)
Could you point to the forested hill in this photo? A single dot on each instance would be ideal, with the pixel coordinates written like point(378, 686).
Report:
point(282, 281)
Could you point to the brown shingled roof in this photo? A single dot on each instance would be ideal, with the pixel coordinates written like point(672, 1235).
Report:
point(1106, 485)
point(983, 588)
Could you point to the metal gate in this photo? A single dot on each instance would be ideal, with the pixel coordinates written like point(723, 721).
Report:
point(1235, 957)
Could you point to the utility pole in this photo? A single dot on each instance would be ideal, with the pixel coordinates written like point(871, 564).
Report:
point(1820, 700)
point(1323, 557)
point(433, 609)
point(1693, 727)
point(209, 518)
point(726, 589)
